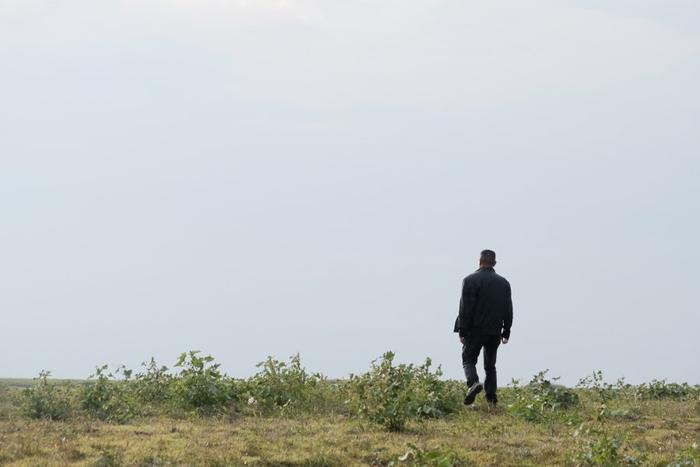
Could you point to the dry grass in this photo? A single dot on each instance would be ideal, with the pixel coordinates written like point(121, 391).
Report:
point(656, 432)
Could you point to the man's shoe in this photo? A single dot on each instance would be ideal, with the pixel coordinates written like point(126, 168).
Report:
point(475, 389)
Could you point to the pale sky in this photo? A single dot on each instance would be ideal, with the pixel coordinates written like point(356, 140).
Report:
point(253, 178)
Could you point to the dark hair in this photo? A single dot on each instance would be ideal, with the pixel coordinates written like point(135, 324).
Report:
point(488, 257)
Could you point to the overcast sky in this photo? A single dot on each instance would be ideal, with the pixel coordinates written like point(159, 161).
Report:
point(254, 178)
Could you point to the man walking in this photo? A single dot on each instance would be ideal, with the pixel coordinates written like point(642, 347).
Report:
point(484, 321)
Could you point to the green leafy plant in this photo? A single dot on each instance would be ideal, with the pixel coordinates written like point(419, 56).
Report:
point(540, 398)
point(595, 383)
point(106, 398)
point(47, 400)
point(660, 389)
point(608, 396)
point(200, 385)
point(523, 405)
point(153, 385)
point(598, 448)
point(283, 386)
point(551, 395)
point(391, 394)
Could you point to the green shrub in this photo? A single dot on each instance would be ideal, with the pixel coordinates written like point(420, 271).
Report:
point(540, 398)
point(552, 396)
point(433, 397)
point(107, 399)
point(662, 390)
point(598, 448)
point(279, 385)
point(523, 405)
point(595, 383)
point(451, 395)
point(200, 386)
point(46, 400)
point(391, 395)
point(153, 385)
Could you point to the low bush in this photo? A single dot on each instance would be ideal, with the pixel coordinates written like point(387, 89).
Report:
point(662, 390)
point(153, 385)
point(285, 387)
point(47, 400)
point(390, 395)
point(200, 386)
point(552, 396)
point(106, 398)
point(540, 398)
point(598, 448)
point(604, 391)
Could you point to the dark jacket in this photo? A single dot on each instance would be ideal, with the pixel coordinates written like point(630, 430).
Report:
point(486, 307)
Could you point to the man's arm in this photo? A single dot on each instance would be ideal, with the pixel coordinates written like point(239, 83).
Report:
point(466, 307)
point(508, 321)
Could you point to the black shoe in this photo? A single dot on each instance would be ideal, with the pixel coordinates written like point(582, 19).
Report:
point(475, 389)
point(492, 402)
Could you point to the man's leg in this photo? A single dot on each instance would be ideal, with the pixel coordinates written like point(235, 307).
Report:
point(490, 383)
point(470, 355)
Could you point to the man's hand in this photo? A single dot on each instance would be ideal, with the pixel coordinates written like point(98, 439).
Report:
point(463, 340)
point(504, 340)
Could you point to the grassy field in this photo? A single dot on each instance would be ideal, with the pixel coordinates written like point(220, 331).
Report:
point(310, 421)
point(659, 433)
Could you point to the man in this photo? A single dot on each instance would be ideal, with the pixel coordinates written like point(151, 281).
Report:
point(484, 321)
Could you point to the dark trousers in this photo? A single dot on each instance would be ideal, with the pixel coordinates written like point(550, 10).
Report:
point(470, 355)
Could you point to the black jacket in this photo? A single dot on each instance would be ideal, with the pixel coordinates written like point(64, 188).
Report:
point(486, 307)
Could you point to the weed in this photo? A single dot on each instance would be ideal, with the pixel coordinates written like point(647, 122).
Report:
point(598, 447)
point(154, 384)
point(540, 398)
point(283, 386)
point(391, 395)
point(594, 382)
point(662, 390)
point(47, 400)
point(107, 399)
point(200, 385)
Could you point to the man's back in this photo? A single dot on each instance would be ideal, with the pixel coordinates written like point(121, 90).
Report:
point(486, 307)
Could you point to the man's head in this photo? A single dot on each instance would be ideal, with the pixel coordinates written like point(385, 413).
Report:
point(487, 259)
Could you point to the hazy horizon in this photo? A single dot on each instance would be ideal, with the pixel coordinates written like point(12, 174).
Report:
point(253, 178)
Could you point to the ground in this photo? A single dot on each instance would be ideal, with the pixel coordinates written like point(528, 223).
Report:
point(651, 433)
